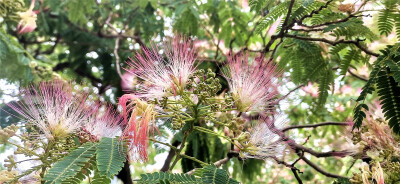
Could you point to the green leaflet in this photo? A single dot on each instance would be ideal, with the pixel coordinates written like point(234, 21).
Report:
point(258, 5)
point(212, 175)
point(110, 156)
point(394, 69)
point(71, 164)
point(323, 88)
point(272, 16)
point(385, 75)
point(389, 94)
point(385, 22)
point(82, 174)
point(161, 177)
point(397, 24)
point(351, 28)
point(359, 115)
point(351, 55)
point(99, 179)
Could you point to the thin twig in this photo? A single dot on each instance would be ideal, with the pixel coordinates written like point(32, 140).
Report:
point(314, 125)
point(117, 57)
point(354, 42)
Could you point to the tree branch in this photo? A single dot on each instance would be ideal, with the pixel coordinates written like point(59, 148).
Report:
point(314, 125)
point(357, 76)
point(320, 170)
point(354, 42)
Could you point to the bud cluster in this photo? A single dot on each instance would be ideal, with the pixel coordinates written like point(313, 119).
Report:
point(7, 132)
point(205, 85)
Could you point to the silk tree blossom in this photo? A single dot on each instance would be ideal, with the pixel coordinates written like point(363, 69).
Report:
point(253, 86)
point(28, 20)
point(264, 141)
point(138, 125)
point(168, 76)
point(105, 121)
point(53, 108)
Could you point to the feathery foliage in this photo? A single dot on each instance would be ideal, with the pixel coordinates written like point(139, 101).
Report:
point(110, 156)
point(71, 164)
point(384, 75)
point(389, 94)
point(212, 175)
point(352, 55)
point(164, 178)
point(272, 16)
point(352, 28)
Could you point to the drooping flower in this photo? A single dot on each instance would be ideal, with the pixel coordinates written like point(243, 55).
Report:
point(28, 20)
point(253, 85)
point(138, 125)
point(53, 108)
point(264, 140)
point(104, 121)
point(165, 76)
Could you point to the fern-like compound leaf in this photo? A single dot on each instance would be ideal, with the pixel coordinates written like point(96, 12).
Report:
point(110, 156)
point(161, 177)
point(351, 55)
point(71, 164)
point(212, 175)
point(323, 88)
point(258, 5)
point(394, 69)
point(272, 16)
point(397, 24)
point(389, 94)
point(385, 22)
point(359, 115)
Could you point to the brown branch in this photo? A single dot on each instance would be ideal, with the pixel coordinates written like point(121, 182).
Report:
point(329, 23)
point(291, 91)
point(307, 30)
point(357, 76)
point(320, 170)
point(170, 156)
point(354, 42)
point(314, 125)
point(296, 176)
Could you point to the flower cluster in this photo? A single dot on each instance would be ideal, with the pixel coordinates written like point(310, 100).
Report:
point(172, 85)
point(57, 111)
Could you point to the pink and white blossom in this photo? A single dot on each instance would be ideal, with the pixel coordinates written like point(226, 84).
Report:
point(253, 85)
point(168, 76)
point(265, 140)
point(53, 108)
point(104, 121)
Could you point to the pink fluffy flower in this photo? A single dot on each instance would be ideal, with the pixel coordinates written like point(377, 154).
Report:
point(165, 76)
point(137, 126)
point(253, 86)
point(53, 108)
point(105, 121)
point(28, 20)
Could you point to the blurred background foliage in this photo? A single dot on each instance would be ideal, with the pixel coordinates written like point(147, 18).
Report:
point(89, 41)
